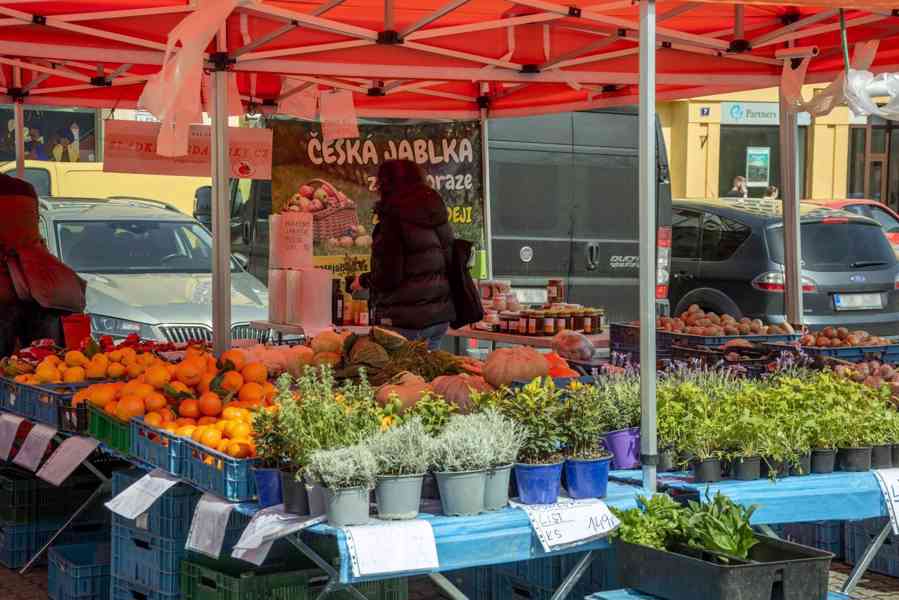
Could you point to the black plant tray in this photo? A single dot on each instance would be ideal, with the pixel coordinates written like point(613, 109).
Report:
point(777, 570)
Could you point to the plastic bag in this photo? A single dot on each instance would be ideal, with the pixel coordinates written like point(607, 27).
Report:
point(571, 345)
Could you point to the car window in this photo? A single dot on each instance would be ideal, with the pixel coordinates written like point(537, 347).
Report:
point(721, 237)
point(135, 246)
point(886, 220)
point(858, 209)
point(684, 234)
point(837, 246)
point(37, 177)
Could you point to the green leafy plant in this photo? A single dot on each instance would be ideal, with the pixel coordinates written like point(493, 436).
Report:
point(719, 525)
point(343, 468)
point(537, 408)
point(620, 408)
point(460, 447)
point(501, 436)
point(656, 522)
point(434, 412)
point(272, 440)
point(403, 450)
point(581, 421)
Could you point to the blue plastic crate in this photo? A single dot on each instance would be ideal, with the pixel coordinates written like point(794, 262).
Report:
point(141, 558)
point(477, 583)
point(224, 476)
point(79, 572)
point(851, 354)
point(124, 590)
point(157, 447)
point(824, 535)
point(859, 535)
point(624, 339)
point(891, 354)
point(18, 543)
point(714, 341)
point(547, 574)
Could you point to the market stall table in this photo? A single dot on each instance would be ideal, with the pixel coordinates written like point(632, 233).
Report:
point(599, 341)
point(839, 496)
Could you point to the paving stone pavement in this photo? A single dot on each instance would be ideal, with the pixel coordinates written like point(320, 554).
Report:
point(33, 585)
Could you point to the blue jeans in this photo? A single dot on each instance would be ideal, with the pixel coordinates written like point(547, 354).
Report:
point(432, 335)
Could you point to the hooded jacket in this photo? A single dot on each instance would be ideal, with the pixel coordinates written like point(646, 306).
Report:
point(410, 260)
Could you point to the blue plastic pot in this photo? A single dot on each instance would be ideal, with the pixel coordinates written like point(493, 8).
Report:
point(587, 478)
point(538, 484)
point(268, 487)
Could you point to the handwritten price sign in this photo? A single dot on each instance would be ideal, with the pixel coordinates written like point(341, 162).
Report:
point(571, 523)
point(889, 486)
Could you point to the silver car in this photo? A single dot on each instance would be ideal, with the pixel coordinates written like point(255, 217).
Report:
point(148, 269)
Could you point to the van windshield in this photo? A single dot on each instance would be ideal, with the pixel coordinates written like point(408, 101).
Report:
point(135, 247)
point(837, 246)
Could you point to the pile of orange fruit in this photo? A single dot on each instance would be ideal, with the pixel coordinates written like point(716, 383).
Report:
point(75, 367)
point(207, 400)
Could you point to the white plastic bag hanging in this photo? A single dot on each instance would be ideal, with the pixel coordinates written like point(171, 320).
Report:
point(302, 104)
point(338, 115)
point(173, 94)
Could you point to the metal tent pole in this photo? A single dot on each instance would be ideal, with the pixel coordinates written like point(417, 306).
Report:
point(485, 179)
point(647, 216)
point(19, 118)
point(791, 193)
point(221, 214)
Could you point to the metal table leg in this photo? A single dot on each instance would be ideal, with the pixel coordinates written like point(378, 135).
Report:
point(333, 584)
point(447, 586)
point(572, 579)
point(873, 548)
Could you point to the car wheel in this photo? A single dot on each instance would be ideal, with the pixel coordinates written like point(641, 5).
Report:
point(715, 302)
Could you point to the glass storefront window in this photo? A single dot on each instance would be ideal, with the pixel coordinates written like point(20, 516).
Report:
point(735, 139)
point(857, 162)
point(52, 134)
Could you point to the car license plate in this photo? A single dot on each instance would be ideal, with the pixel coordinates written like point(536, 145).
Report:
point(857, 301)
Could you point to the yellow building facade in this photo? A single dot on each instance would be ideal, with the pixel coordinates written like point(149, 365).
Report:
point(712, 139)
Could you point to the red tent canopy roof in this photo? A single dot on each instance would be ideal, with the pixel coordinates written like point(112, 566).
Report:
point(433, 57)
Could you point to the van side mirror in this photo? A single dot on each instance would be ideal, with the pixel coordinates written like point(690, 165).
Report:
point(203, 202)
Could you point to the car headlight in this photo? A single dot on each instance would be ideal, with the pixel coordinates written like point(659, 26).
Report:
point(115, 327)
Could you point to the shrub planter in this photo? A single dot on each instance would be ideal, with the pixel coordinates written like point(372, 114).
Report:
point(268, 487)
point(776, 570)
point(316, 495)
point(667, 461)
point(538, 484)
point(624, 445)
point(347, 506)
point(803, 466)
point(707, 470)
point(399, 498)
point(496, 487)
point(823, 460)
point(747, 468)
point(293, 491)
point(462, 493)
point(587, 478)
point(854, 459)
point(882, 457)
point(775, 468)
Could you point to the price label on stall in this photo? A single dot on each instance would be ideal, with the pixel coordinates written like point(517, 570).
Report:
point(570, 523)
point(34, 447)
point(412, 547)
point(66, 459)
point(9, 426)
point(889, 487)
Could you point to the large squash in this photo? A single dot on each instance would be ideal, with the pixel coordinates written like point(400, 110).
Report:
point(408, 389)
point(457, 389)
point(327, 341)
point(332, 359)
point(299, 357)
point(507, 365)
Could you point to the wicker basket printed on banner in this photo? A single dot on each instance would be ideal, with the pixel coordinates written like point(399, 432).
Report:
point(336, 220)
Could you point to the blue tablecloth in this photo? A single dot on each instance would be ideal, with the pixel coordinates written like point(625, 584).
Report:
point(489, 539)
point(833, 497)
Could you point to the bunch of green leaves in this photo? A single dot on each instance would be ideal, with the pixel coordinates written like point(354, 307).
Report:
point(719, 525)
point(582, 422)
point(460, 447)
point(343, 468)
point(703, 432)
point(537, 407)
point(621, 406)
point(272, 442)
point(433, 410)
point(671, 416)
point(657, 522)
point(403, 450)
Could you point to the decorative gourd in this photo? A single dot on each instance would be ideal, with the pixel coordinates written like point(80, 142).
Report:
point(563, 372)
point(368, 353)
point(456, 389)
point(299, 357)
point(408, 390)
point(390, 340)
point(326, 358)
point(507, 365)
point(327, 341)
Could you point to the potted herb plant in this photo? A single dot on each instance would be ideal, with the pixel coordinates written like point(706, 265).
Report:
point(703, 432)
point(537, 408)
point(744, 433)
point(586, 464)
point(460, 460)
point(347, 476)
point(271, 449)
point(622, 419)
point(670, 425)
point(503, 438)
point(403, 455)
point(826, 430)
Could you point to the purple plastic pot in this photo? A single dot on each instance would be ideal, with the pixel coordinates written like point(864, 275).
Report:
point(624, 445)
point(538, 484)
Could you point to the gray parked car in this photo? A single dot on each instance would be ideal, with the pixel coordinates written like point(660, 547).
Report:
point(727, 256)
point(148, 269)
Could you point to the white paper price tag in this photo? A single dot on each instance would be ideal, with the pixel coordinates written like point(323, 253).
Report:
point(34, 447)
point(570, 523)
point(66, 459)
point(411, 543)
point(207, 529)
point(141, 495)
point(889, 487)
point(9, 426)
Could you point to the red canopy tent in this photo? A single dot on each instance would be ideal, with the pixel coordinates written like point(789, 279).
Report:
point(444, 59)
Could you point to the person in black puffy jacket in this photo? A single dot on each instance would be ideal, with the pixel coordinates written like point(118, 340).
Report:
point(411, 256)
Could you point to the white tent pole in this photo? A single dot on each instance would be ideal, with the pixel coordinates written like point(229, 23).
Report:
point(19, 118)
point(791, 196)
point(221, 213)
point(485, 180)
point(647, 217)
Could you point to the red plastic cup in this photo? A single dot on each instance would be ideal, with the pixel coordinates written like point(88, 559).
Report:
point(75, 328)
